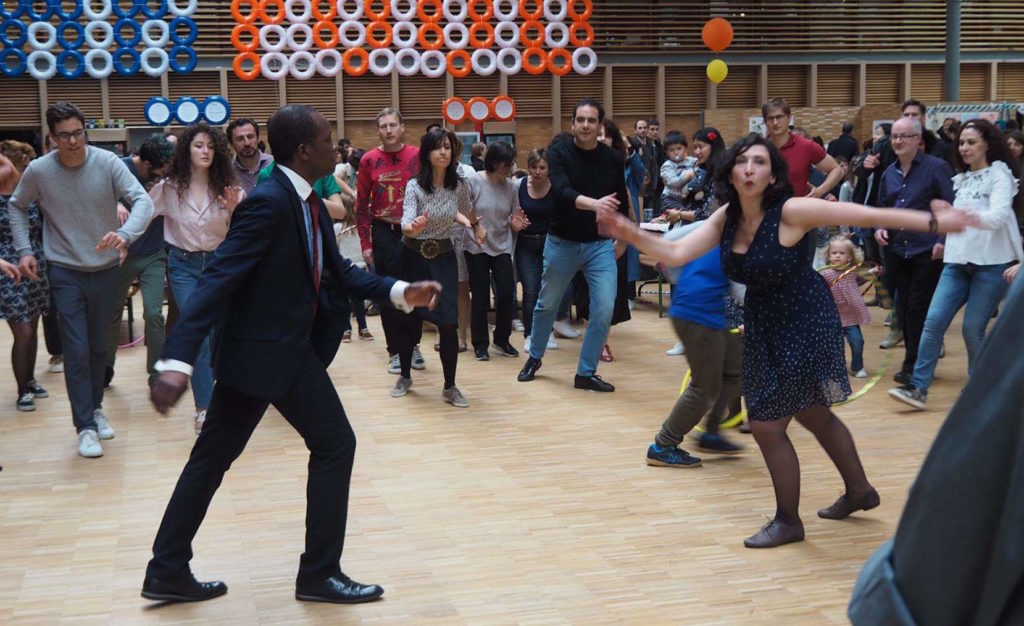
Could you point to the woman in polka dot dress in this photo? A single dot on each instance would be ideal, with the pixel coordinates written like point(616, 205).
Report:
point(793, 362)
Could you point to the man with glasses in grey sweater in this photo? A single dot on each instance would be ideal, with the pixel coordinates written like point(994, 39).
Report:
point(77, 188)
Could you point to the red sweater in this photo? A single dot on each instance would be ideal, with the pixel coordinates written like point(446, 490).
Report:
point(380, 187)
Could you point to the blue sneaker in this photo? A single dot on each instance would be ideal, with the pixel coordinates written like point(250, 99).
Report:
point(713, 443)
point(665, 456)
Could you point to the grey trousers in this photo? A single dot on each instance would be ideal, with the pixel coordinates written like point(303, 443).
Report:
point(716, 370)
point(85, 302)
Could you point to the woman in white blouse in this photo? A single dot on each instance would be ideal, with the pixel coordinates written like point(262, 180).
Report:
point(435, 201)
point(196, 200)
point(976, 259)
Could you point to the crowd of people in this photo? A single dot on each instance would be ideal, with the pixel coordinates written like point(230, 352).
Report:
point(749, 226)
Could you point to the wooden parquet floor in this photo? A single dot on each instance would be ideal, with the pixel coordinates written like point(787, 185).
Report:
point(533, 506)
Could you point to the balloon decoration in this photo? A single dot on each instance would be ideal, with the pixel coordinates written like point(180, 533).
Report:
point(97, 38)
point(717, 35)
point(456, 37)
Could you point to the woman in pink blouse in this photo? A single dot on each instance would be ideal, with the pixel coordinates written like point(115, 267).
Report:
point(196, 200)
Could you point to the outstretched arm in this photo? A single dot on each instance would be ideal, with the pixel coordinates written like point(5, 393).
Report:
point(675, 253)
point(803, 214)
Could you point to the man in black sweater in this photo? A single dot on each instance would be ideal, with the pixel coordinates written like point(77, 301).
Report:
point(586, 176)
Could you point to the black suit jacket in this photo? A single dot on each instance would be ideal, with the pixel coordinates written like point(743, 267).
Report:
point(259, 297)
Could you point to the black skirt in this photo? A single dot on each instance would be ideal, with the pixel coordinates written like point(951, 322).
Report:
point(409, 265)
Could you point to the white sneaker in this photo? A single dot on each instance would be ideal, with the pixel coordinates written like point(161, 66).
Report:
point(631, 304)
point(198, 421)
point(861, 374)
point(89, 444)
point(395, 367)
point(56, 365)
point(565, 330)
point(103, 428)
point(552, 344)
point(418, 363)
point(517, 326)
point(401, 388)
point(526, 345)
point(676, 350)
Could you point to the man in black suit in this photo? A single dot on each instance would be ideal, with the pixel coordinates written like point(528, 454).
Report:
point(276, 291)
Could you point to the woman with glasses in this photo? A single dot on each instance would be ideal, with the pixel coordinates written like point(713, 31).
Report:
point(196, 200)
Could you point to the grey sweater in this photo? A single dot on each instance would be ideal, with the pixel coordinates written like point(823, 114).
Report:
point(79, 207)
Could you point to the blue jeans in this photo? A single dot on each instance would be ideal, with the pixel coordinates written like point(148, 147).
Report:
point(183, 270)
point(981, 287)
point(529, 264)
point(856, 339)
point(562, 259)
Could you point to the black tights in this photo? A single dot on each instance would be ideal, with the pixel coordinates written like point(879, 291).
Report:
point(448, 338)
point(23, 351)
point(784, 467)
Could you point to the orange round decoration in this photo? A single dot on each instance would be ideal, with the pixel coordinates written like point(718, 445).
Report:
point(364, 61)
point(503, 108)
point(241, 58)
point(467, 63)
point(454, 110)
point(588, 34)
point(475, 15)
point(425, 43)
point(558, 70)
point(477, 105)
point(236, 11)
point(318, 36)
point(374, 41)
point(529, 16)
point(717, 34)
point(377, 17)
point(429, 18)
point(531, 42)
point(474, 35)
point(249, 29)
point(265, 16)
point(540, 65)
point(588, 10)
point(320, 16)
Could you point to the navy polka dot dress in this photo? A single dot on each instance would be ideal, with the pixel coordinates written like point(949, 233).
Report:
point(793, 355)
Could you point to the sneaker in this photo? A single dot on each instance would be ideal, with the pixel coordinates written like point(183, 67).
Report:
point(198, 421)
point(56, 364)
point(631, 304)
point(365, 334)
point(552, 344)
point(108, 375)
point(417, 359)
point(346, 337)
point(396, 366)
point(676, 350)
point(529, 370)
point(454, 397)
point(902, 378)
point(517, 325)
point(942, 351)
point(372, 309)
point(861, 374)
point(103, 428)
point(506, 350)
point(563, 329)
point(481, 354)
point(910, 395)
point(526, 345)
point(37, 389)
point(713, 443)
point(26, 402)
point(89, 444)
point(592, 383)
point(670, 457)
point(893, 339)
point(401, 387)
point(888, 320)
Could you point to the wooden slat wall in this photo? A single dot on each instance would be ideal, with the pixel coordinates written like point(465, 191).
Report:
point(882, 83)
point(532, 95)
point(686, 89)
point(786, 81)
point(421, 97)
point(254, 99)
point(365, 97)
point(473, 86)
point(926, 80)
point(20, 102)
point(198, 85)
point(128, 96)
point(576, 87)
point(973, 82)
point(84, 93)
point(317, 92)
point(1010, 82)
point(837, 85)
point(739, 89)
point(633, 92)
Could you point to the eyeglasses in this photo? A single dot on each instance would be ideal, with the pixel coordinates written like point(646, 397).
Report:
point(903, 137)
point(66, 137)
point(776, 118)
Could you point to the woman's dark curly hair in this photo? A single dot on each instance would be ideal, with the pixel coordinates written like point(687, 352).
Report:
point(430, 142)
point(776, 192)
point(222, 175)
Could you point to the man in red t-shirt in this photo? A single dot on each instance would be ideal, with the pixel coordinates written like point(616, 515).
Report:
point(801, 154)
point(380, 193)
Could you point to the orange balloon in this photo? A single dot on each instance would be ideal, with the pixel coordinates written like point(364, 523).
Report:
point(717, 34)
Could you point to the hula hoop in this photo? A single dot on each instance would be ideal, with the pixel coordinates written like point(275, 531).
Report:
point(425, 43)
point(429, 18)
point(190, 64)
point(574, 34)
point(107, 67)
point(267, 69)
point(293, 65)
point(454, 110)
point(474, 32)
point(119, 37)
point(484, 62)
point(77, 57)
point(158, 112)
point(503, 108)
point(240, 58)
point(19, 68)
point(120, 67)
point(410, 32)
point(364, 59)
point(506, 16)
point(193, 31)
point(506, 34)
point(318, 38)
point(540, 65)
point(441, 64)
point(163, 33)
point(295, 18)
point(588, 10)
point(467, 63)
point(478, 109)
point(559, 53)
point(292, 34)
point(187, 110)
point(379, 16)
point(176, 11)
point(389, 61)
point(33, 35)
point(58, 10)
point(374, 42)
point(96, 16)
point(22, 33)
point(729, 422)
point(247, 29)
point(517, 61)
point(456, 28)
point(33, 65)
point(320, 16)
point(279, 17)
point(552, 16)
point(349, 42)
point(79, 35)
point(323, 67)
point(531, 15)
point(581, 67)
point(403, 16)
point(121, 13)
point(35, 16)
point(559, 29)
point(163, 61)
point(531, 42)
point(282, 37)
point(236, 11)
point(401, 56)
point(16, 12)
point(452, 16)
point(475, 15)
point(152, 14)
point(349, 16)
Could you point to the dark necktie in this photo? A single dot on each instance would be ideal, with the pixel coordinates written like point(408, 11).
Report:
point(314, 204)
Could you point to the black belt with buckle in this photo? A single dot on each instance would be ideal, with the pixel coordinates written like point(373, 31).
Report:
point(428, 248)
point(389, 225)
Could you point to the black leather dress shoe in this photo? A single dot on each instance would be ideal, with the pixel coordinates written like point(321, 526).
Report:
point(181, 590)
point(339, 590)
point(593, 383)
point(529, 370)
point(902, 378)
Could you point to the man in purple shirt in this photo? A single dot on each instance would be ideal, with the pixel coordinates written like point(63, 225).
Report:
point(914, 259)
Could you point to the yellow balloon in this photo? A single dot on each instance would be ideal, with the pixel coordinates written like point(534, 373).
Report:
point(717, 71)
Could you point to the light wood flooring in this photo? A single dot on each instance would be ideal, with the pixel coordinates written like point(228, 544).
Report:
point(533, 506)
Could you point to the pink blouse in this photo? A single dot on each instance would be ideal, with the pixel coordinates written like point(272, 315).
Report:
point(846, 292)
point(187, 226)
